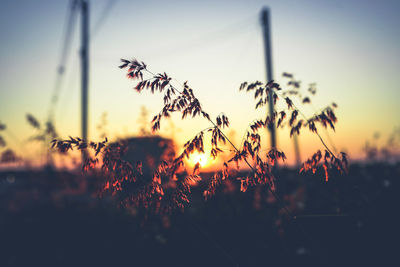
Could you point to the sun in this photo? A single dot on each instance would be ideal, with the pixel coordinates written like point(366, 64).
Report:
point(197, 157)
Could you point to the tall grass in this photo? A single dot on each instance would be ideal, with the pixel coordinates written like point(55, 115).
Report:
point(170, 185)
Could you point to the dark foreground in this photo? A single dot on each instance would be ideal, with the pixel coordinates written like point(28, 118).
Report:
point(49, 219)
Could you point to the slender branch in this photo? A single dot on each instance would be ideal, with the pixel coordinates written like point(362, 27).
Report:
point(320, 138)
point(237, 150)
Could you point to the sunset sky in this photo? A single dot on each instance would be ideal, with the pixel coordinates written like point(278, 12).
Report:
point(349, 48)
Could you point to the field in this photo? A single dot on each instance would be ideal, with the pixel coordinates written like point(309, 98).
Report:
point(50, 218)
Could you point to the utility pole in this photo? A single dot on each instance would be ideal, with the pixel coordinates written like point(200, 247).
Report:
point(268, 60)
point(84, 69)
point(296, 149)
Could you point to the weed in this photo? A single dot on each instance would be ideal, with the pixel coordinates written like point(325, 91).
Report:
point(170, 185)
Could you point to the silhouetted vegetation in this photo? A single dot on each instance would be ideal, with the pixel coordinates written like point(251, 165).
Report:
point(53, 219)
point(125, 208)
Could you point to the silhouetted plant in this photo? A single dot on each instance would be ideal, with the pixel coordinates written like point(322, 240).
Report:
point(170, 186)
point(389, 150)
point(2, 141)
point(44, 134)
point(48, 132)
point(102, 126)
point(143, 121)
point(7, 155)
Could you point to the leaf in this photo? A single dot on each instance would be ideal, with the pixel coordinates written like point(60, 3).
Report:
point(33, 121)
point(196, 169)
point(287, 75)
point(306, 100)
point(293, 117)
point(289, 102)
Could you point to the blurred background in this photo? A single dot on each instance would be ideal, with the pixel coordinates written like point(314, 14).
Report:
point(347, 51)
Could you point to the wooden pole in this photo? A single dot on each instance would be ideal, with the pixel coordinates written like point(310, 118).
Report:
point(85, 70)
point(268, 60)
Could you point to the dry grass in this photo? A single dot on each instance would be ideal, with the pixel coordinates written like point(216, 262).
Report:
point(170, 185)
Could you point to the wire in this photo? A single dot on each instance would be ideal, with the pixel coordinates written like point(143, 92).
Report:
point(103, 16)
point(71, 90)
point(226, 33)
point(65, 52)
point(66, 48)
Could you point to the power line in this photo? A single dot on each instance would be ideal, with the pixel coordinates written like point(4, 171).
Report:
point(66, 47)
point(103, 16)
point(226, 33)
point(71, 88)
point(68, 34)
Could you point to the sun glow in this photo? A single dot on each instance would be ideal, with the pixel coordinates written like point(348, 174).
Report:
point(200, 158)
